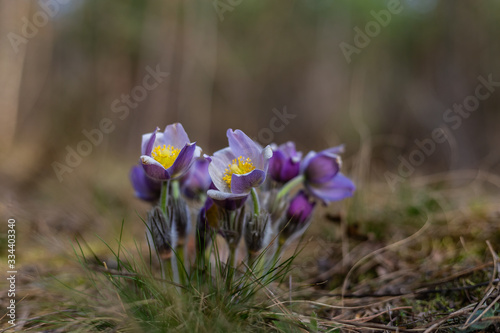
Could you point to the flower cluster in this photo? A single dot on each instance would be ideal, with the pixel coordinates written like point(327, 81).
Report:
point(246, 191)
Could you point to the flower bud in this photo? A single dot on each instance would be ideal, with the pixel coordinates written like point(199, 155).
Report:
point(232, 225)
point(178, 213)
point(159, 232)
point(257, 232)
point(297, 217)
point(284, 165)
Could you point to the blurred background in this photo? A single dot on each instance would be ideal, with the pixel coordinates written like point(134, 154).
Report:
point(375, 75)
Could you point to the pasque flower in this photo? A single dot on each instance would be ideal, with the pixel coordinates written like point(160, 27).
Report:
point(300, 210)
point(228, 178)
point(237, 169)
point(168, 155)
point(322, 176)
point(285, 163)
point(145, 188)
point(196, 181)
point(297, 217)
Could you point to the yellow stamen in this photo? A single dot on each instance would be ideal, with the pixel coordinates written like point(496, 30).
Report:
point(239, 166)
point(165, 155)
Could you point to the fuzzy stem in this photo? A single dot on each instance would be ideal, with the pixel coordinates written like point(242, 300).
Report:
point(251, 258)
point(180, 264)
point(202, 198)
point(277, 254)
point(175, 189)
point(255, 199)
point(175, 270)
point(164, 196)
point(200, 260)
point(259, 264)
point(168, 271)
point(200, 251)
point(233, 256)
point(289, 186)
point(254, 262)
point(231, 265)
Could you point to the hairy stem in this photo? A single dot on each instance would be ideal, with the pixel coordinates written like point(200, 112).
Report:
point(231, 265)
point(180, 264)
point(175, 189)
point(255, 199)
point(164, 196)
point(289, 186)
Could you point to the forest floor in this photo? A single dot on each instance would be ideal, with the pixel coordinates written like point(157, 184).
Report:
point(421, 259)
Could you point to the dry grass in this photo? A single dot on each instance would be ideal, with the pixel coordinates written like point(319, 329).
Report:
point(423, 259)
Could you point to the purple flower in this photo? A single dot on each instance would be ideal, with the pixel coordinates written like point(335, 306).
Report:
point(235, 170)
point(226, 201)
point(322, 176)
point(300, 210)
point(167, 155)
point(145, 188)
point(297, 217)
point(197, 180)
point(285, 163)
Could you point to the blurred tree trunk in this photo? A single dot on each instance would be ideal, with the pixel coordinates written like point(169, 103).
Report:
point(11, 68)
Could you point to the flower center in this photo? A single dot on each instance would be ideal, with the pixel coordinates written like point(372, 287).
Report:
point(239, 166)
point(165, 155)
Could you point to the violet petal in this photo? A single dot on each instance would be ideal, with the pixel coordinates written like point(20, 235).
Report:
point(197, 180)
point(154, 169)
point(306, 160)
point(244, 183)
point(219, 162)
point(340, 187)
point(228, 201)
point(183, 161)
point(276, 165)
point(145, 188)
point(322, 168)
point(148, 143)
point(242, 145)
point(335, 150)
point(289, 170)
point(288, 148)
point(176, 136)
point(300, 208)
